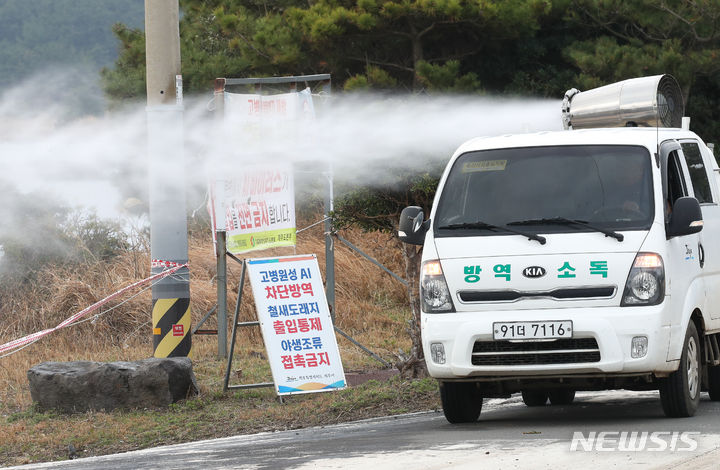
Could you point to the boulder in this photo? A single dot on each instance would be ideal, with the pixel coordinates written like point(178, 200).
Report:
point(82, 385)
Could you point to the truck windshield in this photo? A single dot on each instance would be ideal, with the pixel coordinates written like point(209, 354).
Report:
point(608, 187)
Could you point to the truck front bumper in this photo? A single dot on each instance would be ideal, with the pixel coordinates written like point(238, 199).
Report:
point(466, 338)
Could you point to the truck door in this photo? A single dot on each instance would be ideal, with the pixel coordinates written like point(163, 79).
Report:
point(683, 266)
point(700, 173)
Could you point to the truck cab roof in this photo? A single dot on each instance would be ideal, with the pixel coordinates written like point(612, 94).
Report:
point(645, 136)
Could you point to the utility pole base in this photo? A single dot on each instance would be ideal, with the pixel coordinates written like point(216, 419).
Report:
point(171, 328)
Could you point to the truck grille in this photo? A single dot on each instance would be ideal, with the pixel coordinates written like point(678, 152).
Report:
point(560, 351)
point(604, 292)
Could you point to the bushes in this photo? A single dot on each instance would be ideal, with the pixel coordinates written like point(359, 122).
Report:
point(37, 233)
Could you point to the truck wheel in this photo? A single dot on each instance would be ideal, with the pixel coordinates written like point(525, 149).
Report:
point(714, 382)
point(534, 397)
point(561, 396)
point(461, 401)
point(680, 392)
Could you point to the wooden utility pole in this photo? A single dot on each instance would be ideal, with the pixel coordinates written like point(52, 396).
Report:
point(168, 217)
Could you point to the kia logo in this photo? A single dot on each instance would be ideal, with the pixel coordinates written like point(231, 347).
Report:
point(534, 271)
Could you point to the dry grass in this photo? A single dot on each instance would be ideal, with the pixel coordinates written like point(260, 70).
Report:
point(371, 307)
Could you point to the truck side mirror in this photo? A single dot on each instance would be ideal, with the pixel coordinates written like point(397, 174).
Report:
point(686, 217)
point(412, 227)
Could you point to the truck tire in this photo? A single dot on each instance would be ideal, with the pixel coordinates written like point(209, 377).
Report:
point(680, 392)
point(714, 383)
point(561, 396)
point(535, 397)
point(461, 401)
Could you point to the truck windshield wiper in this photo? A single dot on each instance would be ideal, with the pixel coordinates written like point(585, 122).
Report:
point(484, 225)
point(564, 221)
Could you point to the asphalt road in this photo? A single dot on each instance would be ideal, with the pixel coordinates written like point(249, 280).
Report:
point(508, 435)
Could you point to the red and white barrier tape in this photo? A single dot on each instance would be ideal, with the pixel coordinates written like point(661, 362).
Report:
point(25, 340)
point(158, 263)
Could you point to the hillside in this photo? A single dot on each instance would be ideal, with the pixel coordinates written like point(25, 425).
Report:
point(39, 34)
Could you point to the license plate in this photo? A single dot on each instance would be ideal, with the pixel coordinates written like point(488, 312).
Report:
point(530, 330)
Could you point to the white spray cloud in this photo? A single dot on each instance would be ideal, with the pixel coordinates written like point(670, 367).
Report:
point(48, 147)
point(358, 133)
point(51, 145)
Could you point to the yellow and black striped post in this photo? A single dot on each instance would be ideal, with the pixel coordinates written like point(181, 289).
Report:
point(171, 327)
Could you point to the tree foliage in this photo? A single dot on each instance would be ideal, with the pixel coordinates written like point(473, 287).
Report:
point(522, 47)
point(400, 44)
point(527, 47)
point(377, 206)
point(399, 35)
point(127, 80)
point(649, 37)
point(681, 37)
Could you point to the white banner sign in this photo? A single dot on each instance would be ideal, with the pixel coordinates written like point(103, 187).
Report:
point(296, 324)
point(259, 208)
point(281, 107)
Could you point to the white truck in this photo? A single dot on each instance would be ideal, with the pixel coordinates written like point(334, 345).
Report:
point(584, 259)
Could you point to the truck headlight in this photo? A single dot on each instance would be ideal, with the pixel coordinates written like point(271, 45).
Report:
point(434, 292)
point(646, 282)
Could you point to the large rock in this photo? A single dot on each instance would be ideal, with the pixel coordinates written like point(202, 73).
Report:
point(83, 385)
